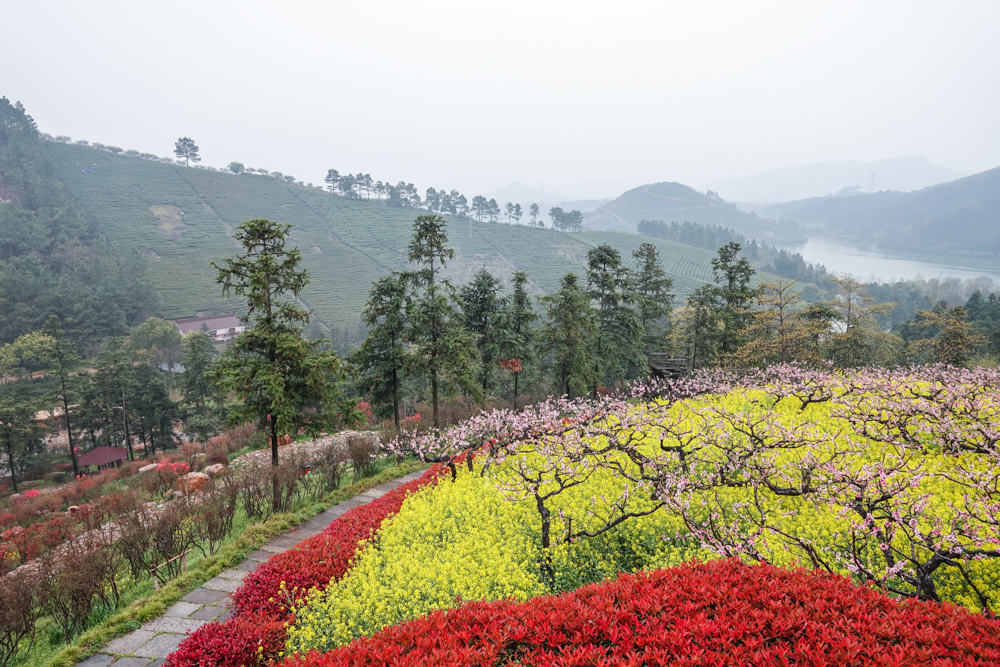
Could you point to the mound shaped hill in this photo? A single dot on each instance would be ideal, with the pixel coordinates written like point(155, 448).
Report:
point(182, 218)
point(675, 202)
point(960, 217)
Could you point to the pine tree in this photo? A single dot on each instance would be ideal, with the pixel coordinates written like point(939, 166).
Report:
point(197, 354)
point(483, 310)
point(654, 299)
point(519, 345)
point(568, 337)
point(619, 330)
point(382, 354)
point(442, 348)
point(281, 381)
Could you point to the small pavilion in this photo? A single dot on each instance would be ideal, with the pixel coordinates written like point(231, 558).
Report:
point(103, 457)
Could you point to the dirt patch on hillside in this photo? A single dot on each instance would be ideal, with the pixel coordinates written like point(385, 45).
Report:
point(170, 220)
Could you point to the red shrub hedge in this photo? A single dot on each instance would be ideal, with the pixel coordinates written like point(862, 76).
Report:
point(238, 642)
point(719, 613)
point(320, 558)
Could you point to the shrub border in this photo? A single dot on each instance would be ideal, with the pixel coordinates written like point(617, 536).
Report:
point(234, 553)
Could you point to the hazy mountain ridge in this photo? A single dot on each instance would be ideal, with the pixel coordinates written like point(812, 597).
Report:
point(962, 216)
point(822, 179)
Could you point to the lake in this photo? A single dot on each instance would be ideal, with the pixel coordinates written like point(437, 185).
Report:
point(872, 264)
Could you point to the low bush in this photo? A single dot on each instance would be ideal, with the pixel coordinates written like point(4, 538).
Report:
point(245, 641)
point(719, 613)
point(19, 610)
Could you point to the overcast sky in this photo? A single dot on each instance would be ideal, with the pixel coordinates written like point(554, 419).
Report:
point(474, 95)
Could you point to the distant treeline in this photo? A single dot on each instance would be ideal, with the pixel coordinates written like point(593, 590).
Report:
point(762, 257)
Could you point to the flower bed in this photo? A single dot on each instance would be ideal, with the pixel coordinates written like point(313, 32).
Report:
point(718, 613)
point(256, 633)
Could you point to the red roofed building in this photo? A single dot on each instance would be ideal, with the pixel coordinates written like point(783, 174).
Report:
point(222, 328)
point(103, 457)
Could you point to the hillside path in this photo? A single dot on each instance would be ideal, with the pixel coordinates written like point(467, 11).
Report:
point(156, 639)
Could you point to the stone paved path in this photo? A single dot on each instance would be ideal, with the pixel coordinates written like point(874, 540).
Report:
point(149, 645)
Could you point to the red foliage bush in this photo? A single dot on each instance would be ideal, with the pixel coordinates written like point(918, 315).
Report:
point(246, 641)
point(719, 613)
point(321, 558)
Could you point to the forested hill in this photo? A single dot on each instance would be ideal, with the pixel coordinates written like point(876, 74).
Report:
point(674, 202)
point(961, 217)
point(53, 258)
point(181, 218)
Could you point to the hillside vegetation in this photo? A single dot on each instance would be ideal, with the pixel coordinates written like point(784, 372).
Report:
point(181, 218)
point(674, 202)
point(961, 217)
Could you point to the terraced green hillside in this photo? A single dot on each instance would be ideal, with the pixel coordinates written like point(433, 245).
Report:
point(182, 218)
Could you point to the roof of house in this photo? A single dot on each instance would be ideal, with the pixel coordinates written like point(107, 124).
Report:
point(214, 323)
point(99, 456)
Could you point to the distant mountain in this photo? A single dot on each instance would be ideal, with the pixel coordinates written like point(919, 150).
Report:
point(519, 193)
point(674, 202)
point(904, 174)
point(962, 216)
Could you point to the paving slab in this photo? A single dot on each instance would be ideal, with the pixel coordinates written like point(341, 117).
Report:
point(233, 574)
point(248, 566)
point(169, 624)
point(182, 609)
point(130, 642)
point(300, 533)
point(131, 662)
point(160, 646)
point(203, 596)
point(260, 555)
point(97, 660)
point(283, 541)
point(209, 612)
point(157, 662)
point(273, 549)
point(220, 584)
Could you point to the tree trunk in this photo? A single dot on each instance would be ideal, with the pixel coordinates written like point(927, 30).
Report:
point(69, 431)
point(128, 440)
point(434, 395)
point(395, 399)
point(10, 459)
point(515, 391)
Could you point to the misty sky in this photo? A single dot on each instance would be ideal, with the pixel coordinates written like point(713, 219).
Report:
point(474, 95)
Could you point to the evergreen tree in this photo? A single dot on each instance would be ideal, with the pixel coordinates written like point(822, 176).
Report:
point(483, 310)
point(442, 349)
point(733, 296)
point(150, 404)
point(21, 436)
point(116, 384)
point(197, 353)
point(619, 331)
point(63, 360)
point(701, 326)
point(281, 381)
point(568, 337)
point(185, 149)
point(654, 299)
point(382, 354)
point(519, 344)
